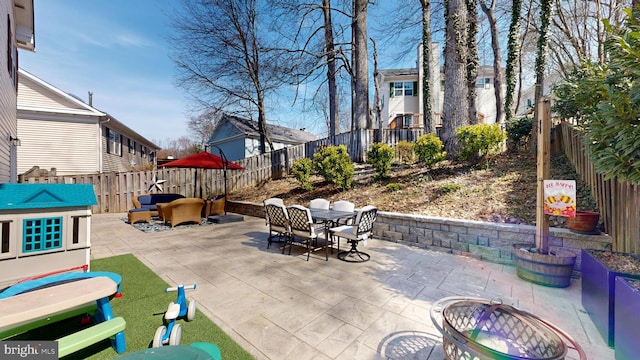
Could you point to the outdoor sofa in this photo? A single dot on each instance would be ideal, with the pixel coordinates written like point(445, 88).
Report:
point(149, 201)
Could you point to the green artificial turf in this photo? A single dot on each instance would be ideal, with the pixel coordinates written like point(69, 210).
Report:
point(142, 305)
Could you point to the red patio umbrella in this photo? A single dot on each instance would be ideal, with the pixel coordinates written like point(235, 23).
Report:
point(205, 160)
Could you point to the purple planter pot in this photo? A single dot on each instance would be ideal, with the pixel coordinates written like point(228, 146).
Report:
point(627, 319)
point(598, 293)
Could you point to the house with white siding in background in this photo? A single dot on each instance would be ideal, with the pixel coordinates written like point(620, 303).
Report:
point(402, 94)
point(16, 32)
point(62, 133)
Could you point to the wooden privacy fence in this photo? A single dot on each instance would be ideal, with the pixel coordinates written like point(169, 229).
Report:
point(618, 202)
point(114, 191)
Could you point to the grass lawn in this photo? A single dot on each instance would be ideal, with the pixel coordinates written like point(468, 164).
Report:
point(142, 305)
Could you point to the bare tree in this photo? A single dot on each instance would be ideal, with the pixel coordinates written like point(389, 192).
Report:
point(377, 100)
point(546, 12)
point(472, 57)
point(456, 91)
point(497, 58)
point(224, 61)
point(360, 90)
point(360, 65)
point(427, 60)
point(334, 126)
point(513, 54)
point(202, 125)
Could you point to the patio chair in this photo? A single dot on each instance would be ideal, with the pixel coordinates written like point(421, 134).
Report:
point(343, 205)
point(214, 206)
point(301, 227)
point(322, 204)
point(277, 218)
point(361, 230)
point(183, 210)
point(319, 203)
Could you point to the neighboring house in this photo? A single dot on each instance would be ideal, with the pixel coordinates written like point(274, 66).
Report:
point(402, 103)
point(239, 138)
point(528, 97)
point(58, 131)
point(17, 26)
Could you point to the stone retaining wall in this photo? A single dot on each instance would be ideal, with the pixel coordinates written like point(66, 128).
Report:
point(483, 240)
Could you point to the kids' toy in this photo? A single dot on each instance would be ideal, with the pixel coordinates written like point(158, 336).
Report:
point(172, 332)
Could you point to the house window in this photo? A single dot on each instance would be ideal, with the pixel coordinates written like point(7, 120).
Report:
point(143, 151)
point(529, 103)
point(114, 142)
point(132, 146)
point(483, 83)
point(403, 88)
point(42, 234)
point(12, 55)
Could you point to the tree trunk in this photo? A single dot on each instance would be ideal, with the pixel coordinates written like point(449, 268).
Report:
point(427, 99)
point(472, 57)
point(497, 59)
point(377, 100)
point(456, 91)
point(513, 54)
point(361, 75)
point(546, 7)
point(334, 127)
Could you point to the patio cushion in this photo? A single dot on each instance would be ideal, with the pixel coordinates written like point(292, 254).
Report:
point(149, 201)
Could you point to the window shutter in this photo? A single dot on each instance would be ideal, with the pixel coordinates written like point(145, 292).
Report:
point(108, 140)
point(415, 88)
point(391, 91)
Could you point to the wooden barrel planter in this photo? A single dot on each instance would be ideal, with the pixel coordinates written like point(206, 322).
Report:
point(583, 222)
point(553, 270)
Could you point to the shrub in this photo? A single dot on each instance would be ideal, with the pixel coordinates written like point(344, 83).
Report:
point(405, 153)
point(334, 165)
point(429, 149)
point(479, 141)
point(518, 132)
point(380, 156)
point(302, 170)
point(394, 186)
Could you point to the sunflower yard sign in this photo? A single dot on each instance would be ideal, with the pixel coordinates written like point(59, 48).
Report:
point(560, 197)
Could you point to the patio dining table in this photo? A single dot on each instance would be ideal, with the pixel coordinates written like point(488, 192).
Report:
point(328, 217)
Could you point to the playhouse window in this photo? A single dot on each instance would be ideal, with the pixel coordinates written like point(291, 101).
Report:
point(5, 237)
point(42, 234)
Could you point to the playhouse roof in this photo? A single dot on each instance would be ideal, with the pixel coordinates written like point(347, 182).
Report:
point(36, 196)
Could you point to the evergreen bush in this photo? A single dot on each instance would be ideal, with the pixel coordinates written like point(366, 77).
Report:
point(404, 152)
point(302, 170)
point(479, 141)
point(380, 156)
point(429, 149)
point(334, 165)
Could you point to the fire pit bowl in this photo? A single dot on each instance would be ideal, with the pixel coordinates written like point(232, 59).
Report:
point(480, 329)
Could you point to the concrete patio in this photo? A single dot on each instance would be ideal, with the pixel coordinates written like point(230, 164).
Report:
point(283, 307)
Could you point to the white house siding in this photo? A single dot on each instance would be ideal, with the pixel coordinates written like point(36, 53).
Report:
point(7, 95)
point(36, 96)
point(75, 151)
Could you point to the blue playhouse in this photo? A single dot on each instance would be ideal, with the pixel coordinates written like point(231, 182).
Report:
point(44, 228)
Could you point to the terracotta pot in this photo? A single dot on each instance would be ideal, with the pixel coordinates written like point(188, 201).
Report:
point(584, 221)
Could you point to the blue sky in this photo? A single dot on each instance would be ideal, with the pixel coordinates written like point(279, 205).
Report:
point(118, 50)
